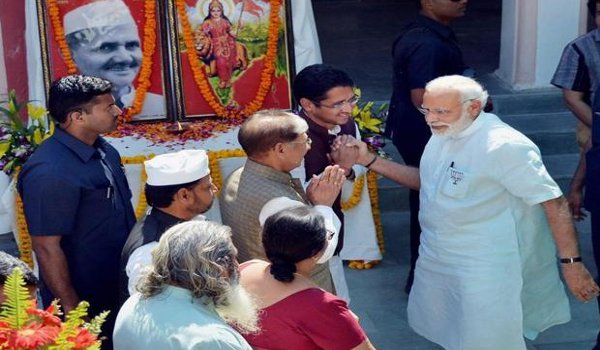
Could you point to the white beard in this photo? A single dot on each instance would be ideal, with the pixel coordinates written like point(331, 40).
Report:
point(452, 129)
point(240, 311)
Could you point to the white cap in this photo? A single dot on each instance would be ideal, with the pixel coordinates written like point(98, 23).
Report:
point(276, 205)
point(177, 168)
point(97, 14)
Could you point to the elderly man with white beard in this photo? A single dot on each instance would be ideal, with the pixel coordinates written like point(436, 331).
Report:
point(486, 274)
point(189, 296)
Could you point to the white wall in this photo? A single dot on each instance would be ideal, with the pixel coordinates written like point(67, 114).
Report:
point(534, 33)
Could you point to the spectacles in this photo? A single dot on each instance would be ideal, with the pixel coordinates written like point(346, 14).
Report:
point(330, 235)
point(308, 141)
point(339, 105)
point(439, 112)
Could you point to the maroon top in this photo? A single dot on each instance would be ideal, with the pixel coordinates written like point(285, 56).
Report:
point(310, 319)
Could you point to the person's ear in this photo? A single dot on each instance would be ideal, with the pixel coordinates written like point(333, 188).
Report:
point(182, 195)
point(474, 108)
point(280, 149)
point(307, 105)
point(75, 116)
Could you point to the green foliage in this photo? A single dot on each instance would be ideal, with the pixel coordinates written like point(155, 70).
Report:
point(17, 300)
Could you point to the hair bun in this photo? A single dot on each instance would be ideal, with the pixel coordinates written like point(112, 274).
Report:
point(283, 271)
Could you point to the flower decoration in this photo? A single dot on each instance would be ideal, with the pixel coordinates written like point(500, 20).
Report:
point(18, 141)
point(23, 326)
point(371, 123)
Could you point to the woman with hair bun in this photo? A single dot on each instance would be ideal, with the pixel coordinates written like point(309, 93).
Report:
point(295, 314)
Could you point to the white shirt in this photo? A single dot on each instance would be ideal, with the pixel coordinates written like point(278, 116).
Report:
point(173, 320)
point(486, 272)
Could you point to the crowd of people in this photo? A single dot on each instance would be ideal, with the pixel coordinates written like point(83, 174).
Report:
point(487, 220)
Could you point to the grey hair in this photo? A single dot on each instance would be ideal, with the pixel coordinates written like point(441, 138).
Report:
point(266, 128)
point(468, 88)
point(193, 255)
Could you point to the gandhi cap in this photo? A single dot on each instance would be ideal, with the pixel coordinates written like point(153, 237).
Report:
point(177, 168)
point(97, 14)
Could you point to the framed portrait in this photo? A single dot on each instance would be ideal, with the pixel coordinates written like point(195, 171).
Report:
point(233, 56)
point(118, 40)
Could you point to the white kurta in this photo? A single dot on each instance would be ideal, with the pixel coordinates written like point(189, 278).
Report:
point(486, 273)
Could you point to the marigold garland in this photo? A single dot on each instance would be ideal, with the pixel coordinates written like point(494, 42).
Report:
point(356, 195)
point(374, 197)
point(149, 46)
point(213, 162)
point(142, 204)
point(199, 74)
point(23, 239)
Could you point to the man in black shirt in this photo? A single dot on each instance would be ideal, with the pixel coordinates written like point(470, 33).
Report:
point(424, 50)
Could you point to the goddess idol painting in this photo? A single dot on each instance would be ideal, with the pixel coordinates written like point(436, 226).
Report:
point(235, 56)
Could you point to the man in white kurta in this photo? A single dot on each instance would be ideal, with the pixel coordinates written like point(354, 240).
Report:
point(487, 273)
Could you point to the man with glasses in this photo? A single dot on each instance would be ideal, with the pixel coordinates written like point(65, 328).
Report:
point(326, 97)
point(426, 49)
point(493, 220)
point(275, 142)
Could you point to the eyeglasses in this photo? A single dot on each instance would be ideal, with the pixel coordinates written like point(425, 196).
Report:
point(330, 235)
point(440, 112)
point(339, 105)
point(308, 141)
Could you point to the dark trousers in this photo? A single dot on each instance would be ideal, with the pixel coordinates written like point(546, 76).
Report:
point(411, 151)
point(596, 249)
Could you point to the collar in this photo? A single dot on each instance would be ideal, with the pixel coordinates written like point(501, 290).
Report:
point(318, 128)
point(84, 151)
point(268, 172)
point(437, 27)
point(165, 218)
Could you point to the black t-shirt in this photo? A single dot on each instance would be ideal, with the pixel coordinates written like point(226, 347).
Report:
point(423, 51)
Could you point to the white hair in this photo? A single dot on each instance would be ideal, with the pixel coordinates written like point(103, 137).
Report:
point(468, 88)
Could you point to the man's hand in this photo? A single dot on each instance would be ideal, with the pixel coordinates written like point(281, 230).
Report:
point(347, 141)
point(324, 189)
point(575, 199)
point(345, 156)
point(580, 282)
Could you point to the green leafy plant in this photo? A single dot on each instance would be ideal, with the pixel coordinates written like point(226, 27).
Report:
point(25, 327)
point(17, 140)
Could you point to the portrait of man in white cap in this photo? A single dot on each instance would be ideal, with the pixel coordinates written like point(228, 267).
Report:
point(179, 188)
point(104, 41)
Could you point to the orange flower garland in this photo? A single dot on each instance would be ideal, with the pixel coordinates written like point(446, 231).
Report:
point(59, 35)
point(374, 197)
point(149, 46)
point(213, 162)
point(23, 239)
point(266, 77)
point(354, 199)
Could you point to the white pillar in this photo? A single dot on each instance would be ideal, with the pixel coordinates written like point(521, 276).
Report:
point(534, 33)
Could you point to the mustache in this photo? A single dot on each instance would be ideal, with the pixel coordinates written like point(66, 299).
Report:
point(121, 65)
